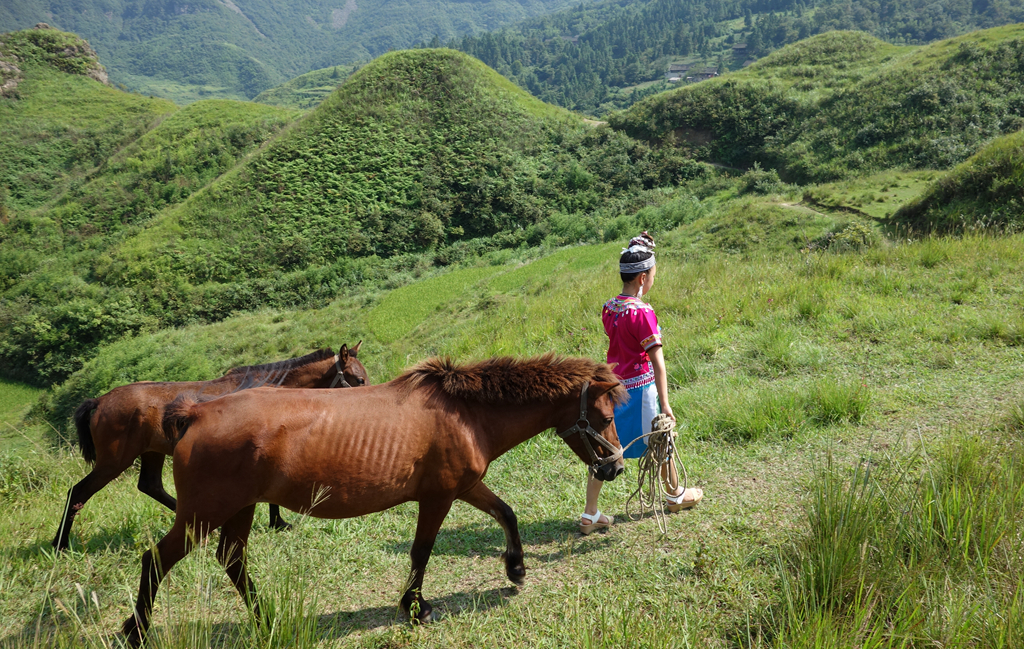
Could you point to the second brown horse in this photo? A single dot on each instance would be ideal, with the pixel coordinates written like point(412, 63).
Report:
point(126, 423)
point(428, 436)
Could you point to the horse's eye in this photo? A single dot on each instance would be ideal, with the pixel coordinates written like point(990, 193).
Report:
point(608, 421)
point(362, 381)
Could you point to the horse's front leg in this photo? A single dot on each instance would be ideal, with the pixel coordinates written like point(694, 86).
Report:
point(484, 499)
point(427, 526)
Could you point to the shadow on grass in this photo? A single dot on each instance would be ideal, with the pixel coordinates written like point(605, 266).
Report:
point(481, 539)
point(329, 626)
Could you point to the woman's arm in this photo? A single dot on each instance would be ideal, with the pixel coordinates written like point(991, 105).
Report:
point(661, 379)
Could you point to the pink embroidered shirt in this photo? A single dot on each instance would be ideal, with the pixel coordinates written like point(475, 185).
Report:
point(632, 330)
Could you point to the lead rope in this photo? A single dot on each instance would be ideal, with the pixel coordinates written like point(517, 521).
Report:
point(661, 450)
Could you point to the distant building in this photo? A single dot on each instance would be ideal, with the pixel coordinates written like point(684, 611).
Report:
point(748, 62)
point(739, 50)
point(706, 73)
point(676, 71)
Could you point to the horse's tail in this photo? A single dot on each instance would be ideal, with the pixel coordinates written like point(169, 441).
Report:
point(178, 416)
point(82, 417)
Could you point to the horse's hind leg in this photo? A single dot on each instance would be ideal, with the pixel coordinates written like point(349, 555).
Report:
point(234, 537)
point(429, 523)
point(99, 477)
point(151, 481)
point(484, 499)
point(169, 551)
point(276, 522)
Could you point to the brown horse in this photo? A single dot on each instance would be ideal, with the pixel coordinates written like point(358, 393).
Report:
point(126, 422)
point(428, 436)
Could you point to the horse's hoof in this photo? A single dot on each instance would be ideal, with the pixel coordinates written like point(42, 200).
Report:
point(515, 573)
point(133, 635)
point(426, 614)
point(280, 526)
point(517, 577)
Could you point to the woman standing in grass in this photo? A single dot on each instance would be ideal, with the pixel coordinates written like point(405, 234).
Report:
point(634, 349)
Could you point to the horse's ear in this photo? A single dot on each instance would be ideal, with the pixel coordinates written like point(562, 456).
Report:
point(355, 350)
point(343, 353)
point(600, 388)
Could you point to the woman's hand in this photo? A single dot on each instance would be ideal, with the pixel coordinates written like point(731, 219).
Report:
point(667, 410)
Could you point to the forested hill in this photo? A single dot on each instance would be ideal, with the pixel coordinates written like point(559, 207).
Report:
point(843, 103)
point(603, 56)
point(194, 49)
point(422, 158)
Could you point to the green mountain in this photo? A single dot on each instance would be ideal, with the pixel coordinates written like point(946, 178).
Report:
point(844, 103)
point(985, 191)
point(422, 158)
point(219, 48)
point(82, 167)
point(607, 55)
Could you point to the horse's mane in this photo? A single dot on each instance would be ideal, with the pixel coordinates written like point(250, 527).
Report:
point(282, 366)
point(510, 380)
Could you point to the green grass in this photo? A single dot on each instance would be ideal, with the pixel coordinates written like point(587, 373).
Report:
point(403, 309)
point(15, 401)
point(885, 542)
point(756, 440)
point(877, 196)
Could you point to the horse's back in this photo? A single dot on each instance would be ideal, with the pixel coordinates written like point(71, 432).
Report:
point(365, 449)
point(132, 415)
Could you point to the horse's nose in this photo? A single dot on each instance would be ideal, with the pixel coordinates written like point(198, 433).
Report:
point(608, 472)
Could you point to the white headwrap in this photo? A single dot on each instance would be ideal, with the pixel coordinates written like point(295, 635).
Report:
point(643, 243)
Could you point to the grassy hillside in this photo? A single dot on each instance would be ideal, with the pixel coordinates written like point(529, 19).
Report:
point(422, 159)
point(82, 167)
point(842, 104)
point(985, 191)
point(607, 55)
point(306, 90)
point(792, 369)
point(206, 49)
point(59, 120)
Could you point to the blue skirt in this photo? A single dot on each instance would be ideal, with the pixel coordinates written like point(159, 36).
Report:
point(633, 418)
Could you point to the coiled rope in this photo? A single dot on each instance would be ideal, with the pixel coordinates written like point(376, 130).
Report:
point(661, 451)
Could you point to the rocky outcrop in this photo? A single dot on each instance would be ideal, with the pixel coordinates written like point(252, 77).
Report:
point(10, 74)
point(45, 45)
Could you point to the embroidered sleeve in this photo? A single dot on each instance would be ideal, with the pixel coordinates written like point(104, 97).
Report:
point(649, 332)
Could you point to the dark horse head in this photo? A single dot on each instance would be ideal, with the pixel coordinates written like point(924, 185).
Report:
point(321, 369)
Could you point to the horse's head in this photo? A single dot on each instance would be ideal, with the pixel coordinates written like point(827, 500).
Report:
point(352, 371)
point(593, 437)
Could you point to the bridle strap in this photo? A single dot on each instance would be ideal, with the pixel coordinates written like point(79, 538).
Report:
point(587, 433)
point(340, 376)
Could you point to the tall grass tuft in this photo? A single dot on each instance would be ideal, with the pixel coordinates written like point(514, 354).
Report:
point(886, 542)
point(830, 402)
point(1015, 417)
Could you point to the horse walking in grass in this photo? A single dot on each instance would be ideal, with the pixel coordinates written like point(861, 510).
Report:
point(126, 423)
point(427, 436)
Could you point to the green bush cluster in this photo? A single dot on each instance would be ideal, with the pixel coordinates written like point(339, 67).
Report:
point(986, 191)
point(826, 118)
